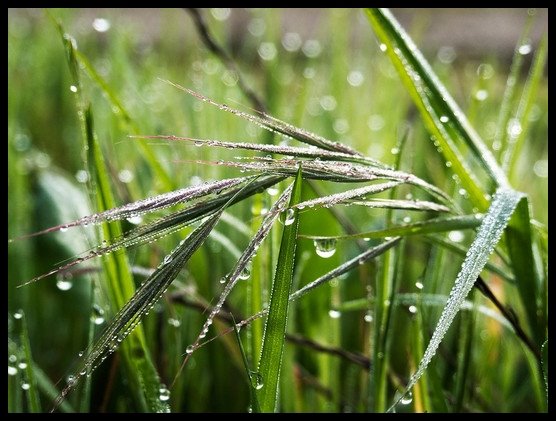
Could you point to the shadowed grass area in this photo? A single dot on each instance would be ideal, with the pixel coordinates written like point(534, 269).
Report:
point(401, 155)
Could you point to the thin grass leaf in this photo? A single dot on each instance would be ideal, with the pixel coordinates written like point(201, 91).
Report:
point(31, 392)
point(274, 125)
point(238, 272)
point(494, 223)
point(275, 328)
point(442, 116)
point(292, 151)
point(433, 225)
point(129, 316)
point(520, 249)
point(517, 129)
point(346, 266)
point(166, 225)
point(254, 402)
point(417, 205)
point(544, 364)
point(49, 389)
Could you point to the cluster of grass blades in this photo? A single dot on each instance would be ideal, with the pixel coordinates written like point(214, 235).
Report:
point(497, 217)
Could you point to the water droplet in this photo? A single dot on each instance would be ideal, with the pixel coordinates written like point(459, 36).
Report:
point(368, 318)
point(355, 78)
point(375, 122)
point(80, 354)
point(257, 381)
point(292, 42)
point(18, 314)
point(524, 49)
point(412, 309)
point(163, 394)
point(485, 71)
point(328, 103)
point(462, 192)
point(113, 345)
point(125, 176)
point(267, 51)
point(272, 191)
point(448, 164)
point(189, 349)
point(335, 314)
point(12, 371)
point(22, 365)
point(395, 151)
point(444, 119)
point(71, 380)
point(73, 88)
point(246, 272)
point(63, 229)
point(311, 48)
point(514, 128)
point(221, 13)
point(456, 236)
point(135, 219)
point(407, 399)
point(288, 216)
point(325, 248)
point(167, 259)
point(25, 386)
point(223, 280)
point(97, 316)
point(82, 176)
point(407, 219)
point(101, 25)
point(383, 47)
point(419, 285)
point(541, 168)
point(64, 281)
point(481, 95)
point(174, 322)
point(12, 358)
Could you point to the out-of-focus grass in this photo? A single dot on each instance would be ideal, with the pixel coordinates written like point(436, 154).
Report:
point(322, 85)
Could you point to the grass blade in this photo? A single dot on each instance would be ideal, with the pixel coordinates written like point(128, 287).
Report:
point(275, 327)
point(31, 393)
point(433, 225)
point(490, 232)
point(252, 382)
point(442, 116)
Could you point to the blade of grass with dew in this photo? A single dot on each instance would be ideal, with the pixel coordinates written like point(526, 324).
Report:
point(120, 285)
point(417, 205)
point(494, 223)
point(253, 383)
point(128, 317)
point(433, 225)
point(544, 350)
point(275, 327)
point(274, 125)
point(294, 151)
point(31, 393)
point(166, 225)
point(501, 134)
point(521, 121)
point(441, 115)
point(49, 390)
point(520, 249)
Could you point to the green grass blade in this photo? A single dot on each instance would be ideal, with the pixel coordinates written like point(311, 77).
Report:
point(442, 116)
point(520, 249)
point(545, 367)
point(521, 120)
point(252, 381)
point(490, 232)
point(32, 395)
point(49, 390)
point(430, 226)
point(275, 327)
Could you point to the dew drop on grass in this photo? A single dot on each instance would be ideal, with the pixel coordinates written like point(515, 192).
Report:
point(101, 25)
point(63, 229)
point(448, 164)
point(407, 399)
point(25, 386)
point(174, 322)
point(167, 259)
point(189, 349)
point(412, 309)
point(12, 358)
point(18, 315)
point(444, 119)
point(198, 143)
point(383, 47)
point(481, 95)
point(163, 394)
point(368, 318)
point(419, 285)
point(335, 314)
point(456, 236)
point(12, 371)
point(257, 381)
point(82, 176)
point(524, 49)
point(287, 217)
point(223, 280)
point(73, 88)
point(97, 316)
point(272, 191)
point(395, 151)
point(246, 272)
point(325, 248)
point(64, 281)
point(22, 365)
point(135, 220)
point(70, 380)
point(407, 219)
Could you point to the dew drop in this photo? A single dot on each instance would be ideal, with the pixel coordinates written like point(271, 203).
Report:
point(174, 322)
point(272, 191)
point(395, 151)
point(22, 365)
point(80, 354)
point(135, 220)
point(325, 248)
point(407, 219)
point(335, 314)
point(12, 371)
point(25, 386)
point(444, 119)
point(97, 316)
point(82, 176)
point(223, 280)
point(198, 143)
point(64, 282)
point(383, 47)
point(189, 349)
point(524, 49)
point(257, 381)
point(481, 95)
point(73, 88)
point(448, 164)
point(412, 309)
point(368, 318)
point(12, 358)
point(163, 394)
point(101, 25)
point(419, 285)
point(70, 380)
point(407, 399)
point(288, 216)
point(18, 315)
point(245, 273)
point(167, 259)
point(456, 236)
point(63, 229)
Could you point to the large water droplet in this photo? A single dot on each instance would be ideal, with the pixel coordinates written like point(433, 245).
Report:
point(245, 273)
point(174, 322)
point(272, 191)
point(335, 314)
point(18, 315)
point(70, 380)
point(524, 49)
point(189, 349)
point(456, 236)
point(419, 285)
point(288, 216)
point(63, 229)
point(64, 281)
point(325, 248)
point(101, 25)
point(97, 316)
point(73, 88)
point(22, 365)
point(163, 394)
point(25, 386)
point(444, 119)
point(368, 318)
point(412, 309)
point(407, 399)
point(257, 381)
point(12, 371)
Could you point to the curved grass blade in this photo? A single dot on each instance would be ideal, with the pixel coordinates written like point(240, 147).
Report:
point(274, 125)
point(166, 225)
point(150, 204)
point(503, 205)
point(295, 151)
point(434, 225)
point(243, 261)
point(418, 205)
point(129, 316)
point(442, 116)
point(275, 328)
